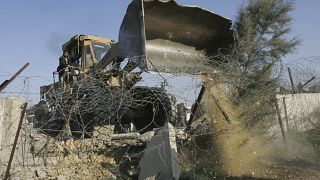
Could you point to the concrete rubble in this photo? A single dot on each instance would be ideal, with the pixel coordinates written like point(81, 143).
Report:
point(38, 156)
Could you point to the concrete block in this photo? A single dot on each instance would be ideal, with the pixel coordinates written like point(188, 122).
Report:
point(160, 158)
point(10, 112)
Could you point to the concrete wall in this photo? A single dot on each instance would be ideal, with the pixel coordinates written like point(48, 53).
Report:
point(10, 112)
point(303, 110)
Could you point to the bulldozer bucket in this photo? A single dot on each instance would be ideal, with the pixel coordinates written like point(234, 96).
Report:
point(173, 38)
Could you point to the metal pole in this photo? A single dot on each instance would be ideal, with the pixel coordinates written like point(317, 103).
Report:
point(196, 105)
point(280, 122)
point(285, 112)
point(224, 113)
point(24, 108)
point(7, 82)
point(308, 82)
point(291, 81)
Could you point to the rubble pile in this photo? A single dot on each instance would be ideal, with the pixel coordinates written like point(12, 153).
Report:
point(64, 160)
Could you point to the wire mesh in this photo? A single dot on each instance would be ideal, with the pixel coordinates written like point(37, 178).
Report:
point(76, 127)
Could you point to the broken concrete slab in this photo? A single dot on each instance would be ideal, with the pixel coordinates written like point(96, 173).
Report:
point(160, 158)
point(10, 112)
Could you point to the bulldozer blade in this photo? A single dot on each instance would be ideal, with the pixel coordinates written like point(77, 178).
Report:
point(173, 38)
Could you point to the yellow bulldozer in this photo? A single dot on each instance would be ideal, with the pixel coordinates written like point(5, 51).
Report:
point(101, 85)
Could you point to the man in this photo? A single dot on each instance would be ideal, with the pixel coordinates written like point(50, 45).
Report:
point(70, 64)
point(63, 63)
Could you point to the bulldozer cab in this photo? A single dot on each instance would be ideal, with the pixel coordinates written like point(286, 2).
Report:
point(86, 50)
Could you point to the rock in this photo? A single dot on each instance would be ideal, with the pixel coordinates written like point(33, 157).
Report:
point(61, 177)
point(40, 173)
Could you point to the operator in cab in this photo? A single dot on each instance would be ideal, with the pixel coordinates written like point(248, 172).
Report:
point(64, 61)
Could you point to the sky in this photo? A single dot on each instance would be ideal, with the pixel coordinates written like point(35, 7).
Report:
point(34, 30)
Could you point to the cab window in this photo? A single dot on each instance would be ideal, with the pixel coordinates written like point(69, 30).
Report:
point(88, 57)
point(100, 50)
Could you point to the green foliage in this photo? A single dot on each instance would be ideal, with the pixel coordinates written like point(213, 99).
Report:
point(262, 38)
point(261, 33)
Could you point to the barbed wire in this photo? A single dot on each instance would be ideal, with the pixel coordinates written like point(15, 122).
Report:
point(79, 123)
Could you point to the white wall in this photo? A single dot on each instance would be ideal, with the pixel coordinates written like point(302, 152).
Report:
point(303, 110)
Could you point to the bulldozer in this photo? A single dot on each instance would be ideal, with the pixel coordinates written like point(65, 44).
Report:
point(119, 102)
point(101, 87)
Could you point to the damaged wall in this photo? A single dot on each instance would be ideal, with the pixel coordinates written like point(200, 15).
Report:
point(10, 112)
